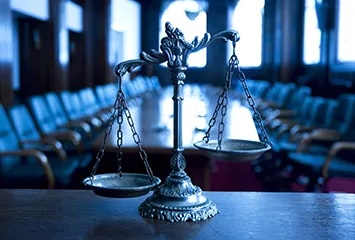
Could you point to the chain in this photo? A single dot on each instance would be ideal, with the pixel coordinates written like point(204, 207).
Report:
point(136, 138)
point(212, 121)
point(120, 106)
point(222, 103)
point(119, 134)
point(251, 102)
point(101, 152)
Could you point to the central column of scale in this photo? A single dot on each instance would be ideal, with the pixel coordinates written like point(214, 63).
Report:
point(177, 162)
point(177, 200)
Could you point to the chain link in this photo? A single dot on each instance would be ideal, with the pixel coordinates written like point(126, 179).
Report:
point(213, 120)
point(222, 103)
point(119, 134)
point(136, 138)
point(120, 106)
point(101, 152)
point(251, 102)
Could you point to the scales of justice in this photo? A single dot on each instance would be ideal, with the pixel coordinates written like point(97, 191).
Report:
point(177, 200)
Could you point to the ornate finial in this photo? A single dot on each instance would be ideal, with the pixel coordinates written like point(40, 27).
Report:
point(174, 46)
point(175, 49)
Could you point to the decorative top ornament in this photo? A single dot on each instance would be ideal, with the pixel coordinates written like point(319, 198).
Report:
point(178, 49)
point(175, 49)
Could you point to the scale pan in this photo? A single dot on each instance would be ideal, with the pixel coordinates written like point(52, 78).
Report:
point(127, 186)
point(233, 149)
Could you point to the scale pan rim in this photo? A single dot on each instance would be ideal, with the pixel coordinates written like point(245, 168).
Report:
point(87, 182)
point(202, 145)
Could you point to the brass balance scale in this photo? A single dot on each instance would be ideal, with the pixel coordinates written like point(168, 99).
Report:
point(177, 200)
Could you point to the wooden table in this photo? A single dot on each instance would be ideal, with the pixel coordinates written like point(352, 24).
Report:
point(65, 214)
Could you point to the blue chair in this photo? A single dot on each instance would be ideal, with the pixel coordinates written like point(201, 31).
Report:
point(30, 168)
point(30, 137)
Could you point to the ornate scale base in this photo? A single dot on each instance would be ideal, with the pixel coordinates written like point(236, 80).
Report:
point(178, 200)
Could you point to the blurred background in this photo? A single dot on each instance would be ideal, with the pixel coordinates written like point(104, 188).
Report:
point(57, 89)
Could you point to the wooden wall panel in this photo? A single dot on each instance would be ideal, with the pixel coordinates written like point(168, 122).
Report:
point(101, 22)
point(33, 46)
point(58, 52)
point(88, 9)
point(44, 52)
point(291, 39)
point(77, 75)
point(6, 54)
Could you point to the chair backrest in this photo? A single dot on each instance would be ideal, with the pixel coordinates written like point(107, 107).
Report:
point(57, 108)
point(89, 101)
point(101, 96)
point(110, 91)
point(87, 105)
point(348, 129)
point(324, 115)
point(149, 84)
point(261, 89)
point(42, 114)
point(332, 106)
point(156, 83)
point(298, 96)
point(343, 113)
point(273, 91)
point(315, 110)
point(8, 142)
point(79, 105)
point(140, 85)
point(23, 123)
point(71, 105)
point(131, 89)
point(306, 109)
point(285, 95)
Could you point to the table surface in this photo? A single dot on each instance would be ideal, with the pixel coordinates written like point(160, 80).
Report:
point(153, 120)
point(80, 214)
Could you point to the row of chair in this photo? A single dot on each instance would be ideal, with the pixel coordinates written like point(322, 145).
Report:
point(46, 142)
point(313, 137)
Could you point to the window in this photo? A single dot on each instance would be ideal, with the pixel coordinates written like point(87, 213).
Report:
point(121, 11)
point(191, 18)
point(38, 9)
point(311, 34)
point(248, 21)
point(346, 33)
point(74, 16)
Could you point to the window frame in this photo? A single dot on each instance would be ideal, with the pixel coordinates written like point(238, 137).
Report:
point(337, 65)
point(263, 45)
point(321, 46)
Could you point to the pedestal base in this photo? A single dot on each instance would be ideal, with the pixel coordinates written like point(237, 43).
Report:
point(178, 200)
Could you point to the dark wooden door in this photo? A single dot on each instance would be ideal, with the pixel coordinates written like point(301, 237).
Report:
point(77, 76)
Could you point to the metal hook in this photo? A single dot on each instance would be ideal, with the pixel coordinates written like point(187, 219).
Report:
point(119, 81)
point(234, 45)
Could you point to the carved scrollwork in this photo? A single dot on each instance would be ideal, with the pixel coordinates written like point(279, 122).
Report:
point(154, 57)
point(179, 188)
point(174, 49)
point(178, 162)
point(178, 49)
point(181, 214)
